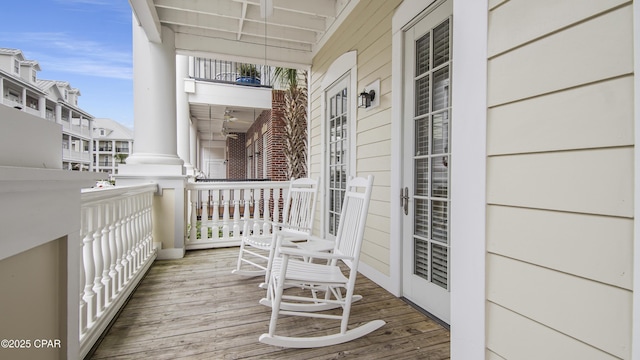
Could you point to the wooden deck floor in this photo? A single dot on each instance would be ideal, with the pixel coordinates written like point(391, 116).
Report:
point(194, 308)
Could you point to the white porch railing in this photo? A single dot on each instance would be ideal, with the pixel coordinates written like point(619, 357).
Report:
point(117, 250)
point(218, 211)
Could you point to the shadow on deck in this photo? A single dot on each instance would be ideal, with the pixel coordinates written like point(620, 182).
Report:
point(194, 308)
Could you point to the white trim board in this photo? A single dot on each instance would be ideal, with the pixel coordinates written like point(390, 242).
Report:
point(635, 324)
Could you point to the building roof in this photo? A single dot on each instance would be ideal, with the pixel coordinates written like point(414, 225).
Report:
point(116, 131)
point(13, 52)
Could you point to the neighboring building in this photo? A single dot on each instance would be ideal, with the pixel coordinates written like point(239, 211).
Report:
point(55, 101)
point(112, 144)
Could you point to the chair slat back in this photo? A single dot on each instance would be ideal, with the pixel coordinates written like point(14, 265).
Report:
point(300, 205)
point(353, 218)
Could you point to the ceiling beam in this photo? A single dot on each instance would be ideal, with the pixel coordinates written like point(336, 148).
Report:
point(230, 49)
point(145, 13)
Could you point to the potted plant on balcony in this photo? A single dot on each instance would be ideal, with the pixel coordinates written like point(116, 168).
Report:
point(248, 74)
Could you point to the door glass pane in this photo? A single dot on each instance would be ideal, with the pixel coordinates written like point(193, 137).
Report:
point(439, 265)
point(422, 136)
point(423, 54)
point(421, 184)
point(440, 133)
point(441, 89)
point(440, 176)
point(422, 96)
point(439, 223)
point(441, 44)
point(421, 258)
point(421, 223)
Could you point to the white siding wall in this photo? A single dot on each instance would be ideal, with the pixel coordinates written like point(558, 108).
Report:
point(560, 179)
point(368, 31)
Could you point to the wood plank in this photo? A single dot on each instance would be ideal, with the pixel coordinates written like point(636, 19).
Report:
point(194, 308)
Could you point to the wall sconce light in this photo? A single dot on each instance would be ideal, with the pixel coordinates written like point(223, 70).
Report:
point(365, 98)
point(369, 98)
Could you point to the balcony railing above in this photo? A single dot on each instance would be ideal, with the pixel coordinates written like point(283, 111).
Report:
point(231, 72)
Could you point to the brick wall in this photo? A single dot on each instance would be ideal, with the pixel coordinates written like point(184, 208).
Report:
point(236, 156)
point(271, 123)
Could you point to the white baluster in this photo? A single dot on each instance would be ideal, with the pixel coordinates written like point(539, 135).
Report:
point(266, 210)
point(149, 222)
point(106, 254)
point(204, 216)
point(138, 231)
point(134, 235)
point(246, 218)
point(98, 288)
point(113, 273)
point(276, 205)
point(215, 218)
point(236, 212)
point(256, 210)
point(128, 227)
point(83, 303)
point(121, 263)
point(194, 216)
point(225, 214)
point(89, 295)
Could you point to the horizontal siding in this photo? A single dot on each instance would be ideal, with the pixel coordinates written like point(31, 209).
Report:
point(560, 181)
point(575, 56)
point(565, 303)
point(529, 20)
point(588, 181)
point(529, 340)
point(550, 238)
point(367, 30)
point(572, 119)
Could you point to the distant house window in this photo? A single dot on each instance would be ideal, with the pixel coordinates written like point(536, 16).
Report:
point(33, 75)
point(102, 132)
point(12, 95)
point(16, 66)
point(66, 94)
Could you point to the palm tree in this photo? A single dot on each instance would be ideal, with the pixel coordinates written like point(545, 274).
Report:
point(295, 120)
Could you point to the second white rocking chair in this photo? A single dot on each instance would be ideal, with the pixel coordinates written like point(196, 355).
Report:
point(324, 277)
point(256, 249)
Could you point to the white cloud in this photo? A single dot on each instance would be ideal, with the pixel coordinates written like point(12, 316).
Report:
point(61, 52)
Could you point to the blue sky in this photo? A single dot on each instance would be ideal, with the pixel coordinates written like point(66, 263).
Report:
point(84, 42)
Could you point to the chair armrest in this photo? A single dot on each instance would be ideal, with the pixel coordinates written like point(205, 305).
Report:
point(313, 254)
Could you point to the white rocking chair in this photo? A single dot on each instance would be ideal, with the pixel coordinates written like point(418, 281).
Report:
point(322, 277)
point(256, 249)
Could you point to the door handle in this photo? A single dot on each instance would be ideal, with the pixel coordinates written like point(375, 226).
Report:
point(404, 200)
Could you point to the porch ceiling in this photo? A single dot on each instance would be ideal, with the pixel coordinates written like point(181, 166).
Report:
point(211, 118)
point(235, 29)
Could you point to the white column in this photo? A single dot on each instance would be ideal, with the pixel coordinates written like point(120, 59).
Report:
point(155, 156)
point(91, 161)
point(42, 106)
point(24, 99)
point(193, 145)
point(59, 114)
point(182, 113)
point(154, 104)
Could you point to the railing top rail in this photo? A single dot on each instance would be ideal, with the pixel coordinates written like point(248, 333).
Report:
point(93, 195)
point(231, 185)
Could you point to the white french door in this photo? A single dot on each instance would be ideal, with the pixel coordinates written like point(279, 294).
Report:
point(337, 151)
point(426, 158)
